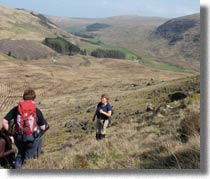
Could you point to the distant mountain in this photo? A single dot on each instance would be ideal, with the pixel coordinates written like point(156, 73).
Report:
point(175, 41)
point(77, 24)
point(182, 36)
point(184, 28)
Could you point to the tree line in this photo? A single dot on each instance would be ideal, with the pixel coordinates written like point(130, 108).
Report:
point(63, 46)
point(100, 53)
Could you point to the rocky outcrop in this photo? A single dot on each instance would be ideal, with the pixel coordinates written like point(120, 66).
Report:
point(75, 125)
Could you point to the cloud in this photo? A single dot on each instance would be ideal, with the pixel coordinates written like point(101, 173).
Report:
point(153, 8)
point(105, 2)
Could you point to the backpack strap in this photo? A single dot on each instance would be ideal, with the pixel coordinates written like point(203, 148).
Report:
point(111, 107)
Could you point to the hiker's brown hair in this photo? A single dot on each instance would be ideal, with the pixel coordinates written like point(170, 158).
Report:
point(29, 94)
point(105, 96)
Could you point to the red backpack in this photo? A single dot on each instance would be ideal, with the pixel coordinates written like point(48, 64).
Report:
point(26, 122)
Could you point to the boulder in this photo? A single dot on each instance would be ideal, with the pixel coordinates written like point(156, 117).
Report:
point(177, 96)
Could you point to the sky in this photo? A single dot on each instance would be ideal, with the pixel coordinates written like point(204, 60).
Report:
point(108, 8)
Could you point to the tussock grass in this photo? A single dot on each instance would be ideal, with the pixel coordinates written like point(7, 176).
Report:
point(67, 90)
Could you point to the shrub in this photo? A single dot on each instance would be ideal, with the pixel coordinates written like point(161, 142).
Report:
point(190, 126)
point(9, 53)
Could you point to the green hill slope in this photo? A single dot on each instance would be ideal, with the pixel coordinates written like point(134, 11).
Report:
point(21, 24)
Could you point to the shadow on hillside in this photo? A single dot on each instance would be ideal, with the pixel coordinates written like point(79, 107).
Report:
point(204, 11)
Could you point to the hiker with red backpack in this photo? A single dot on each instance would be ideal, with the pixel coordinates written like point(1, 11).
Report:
point(103, 113)
point(29, 124)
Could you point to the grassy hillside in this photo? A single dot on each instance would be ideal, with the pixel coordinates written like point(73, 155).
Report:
point(22, 33)
point(22, 24)
point(25, 49)
point(148, 130)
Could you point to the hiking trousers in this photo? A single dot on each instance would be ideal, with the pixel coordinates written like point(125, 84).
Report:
point(101, 126)
point(27, 150)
